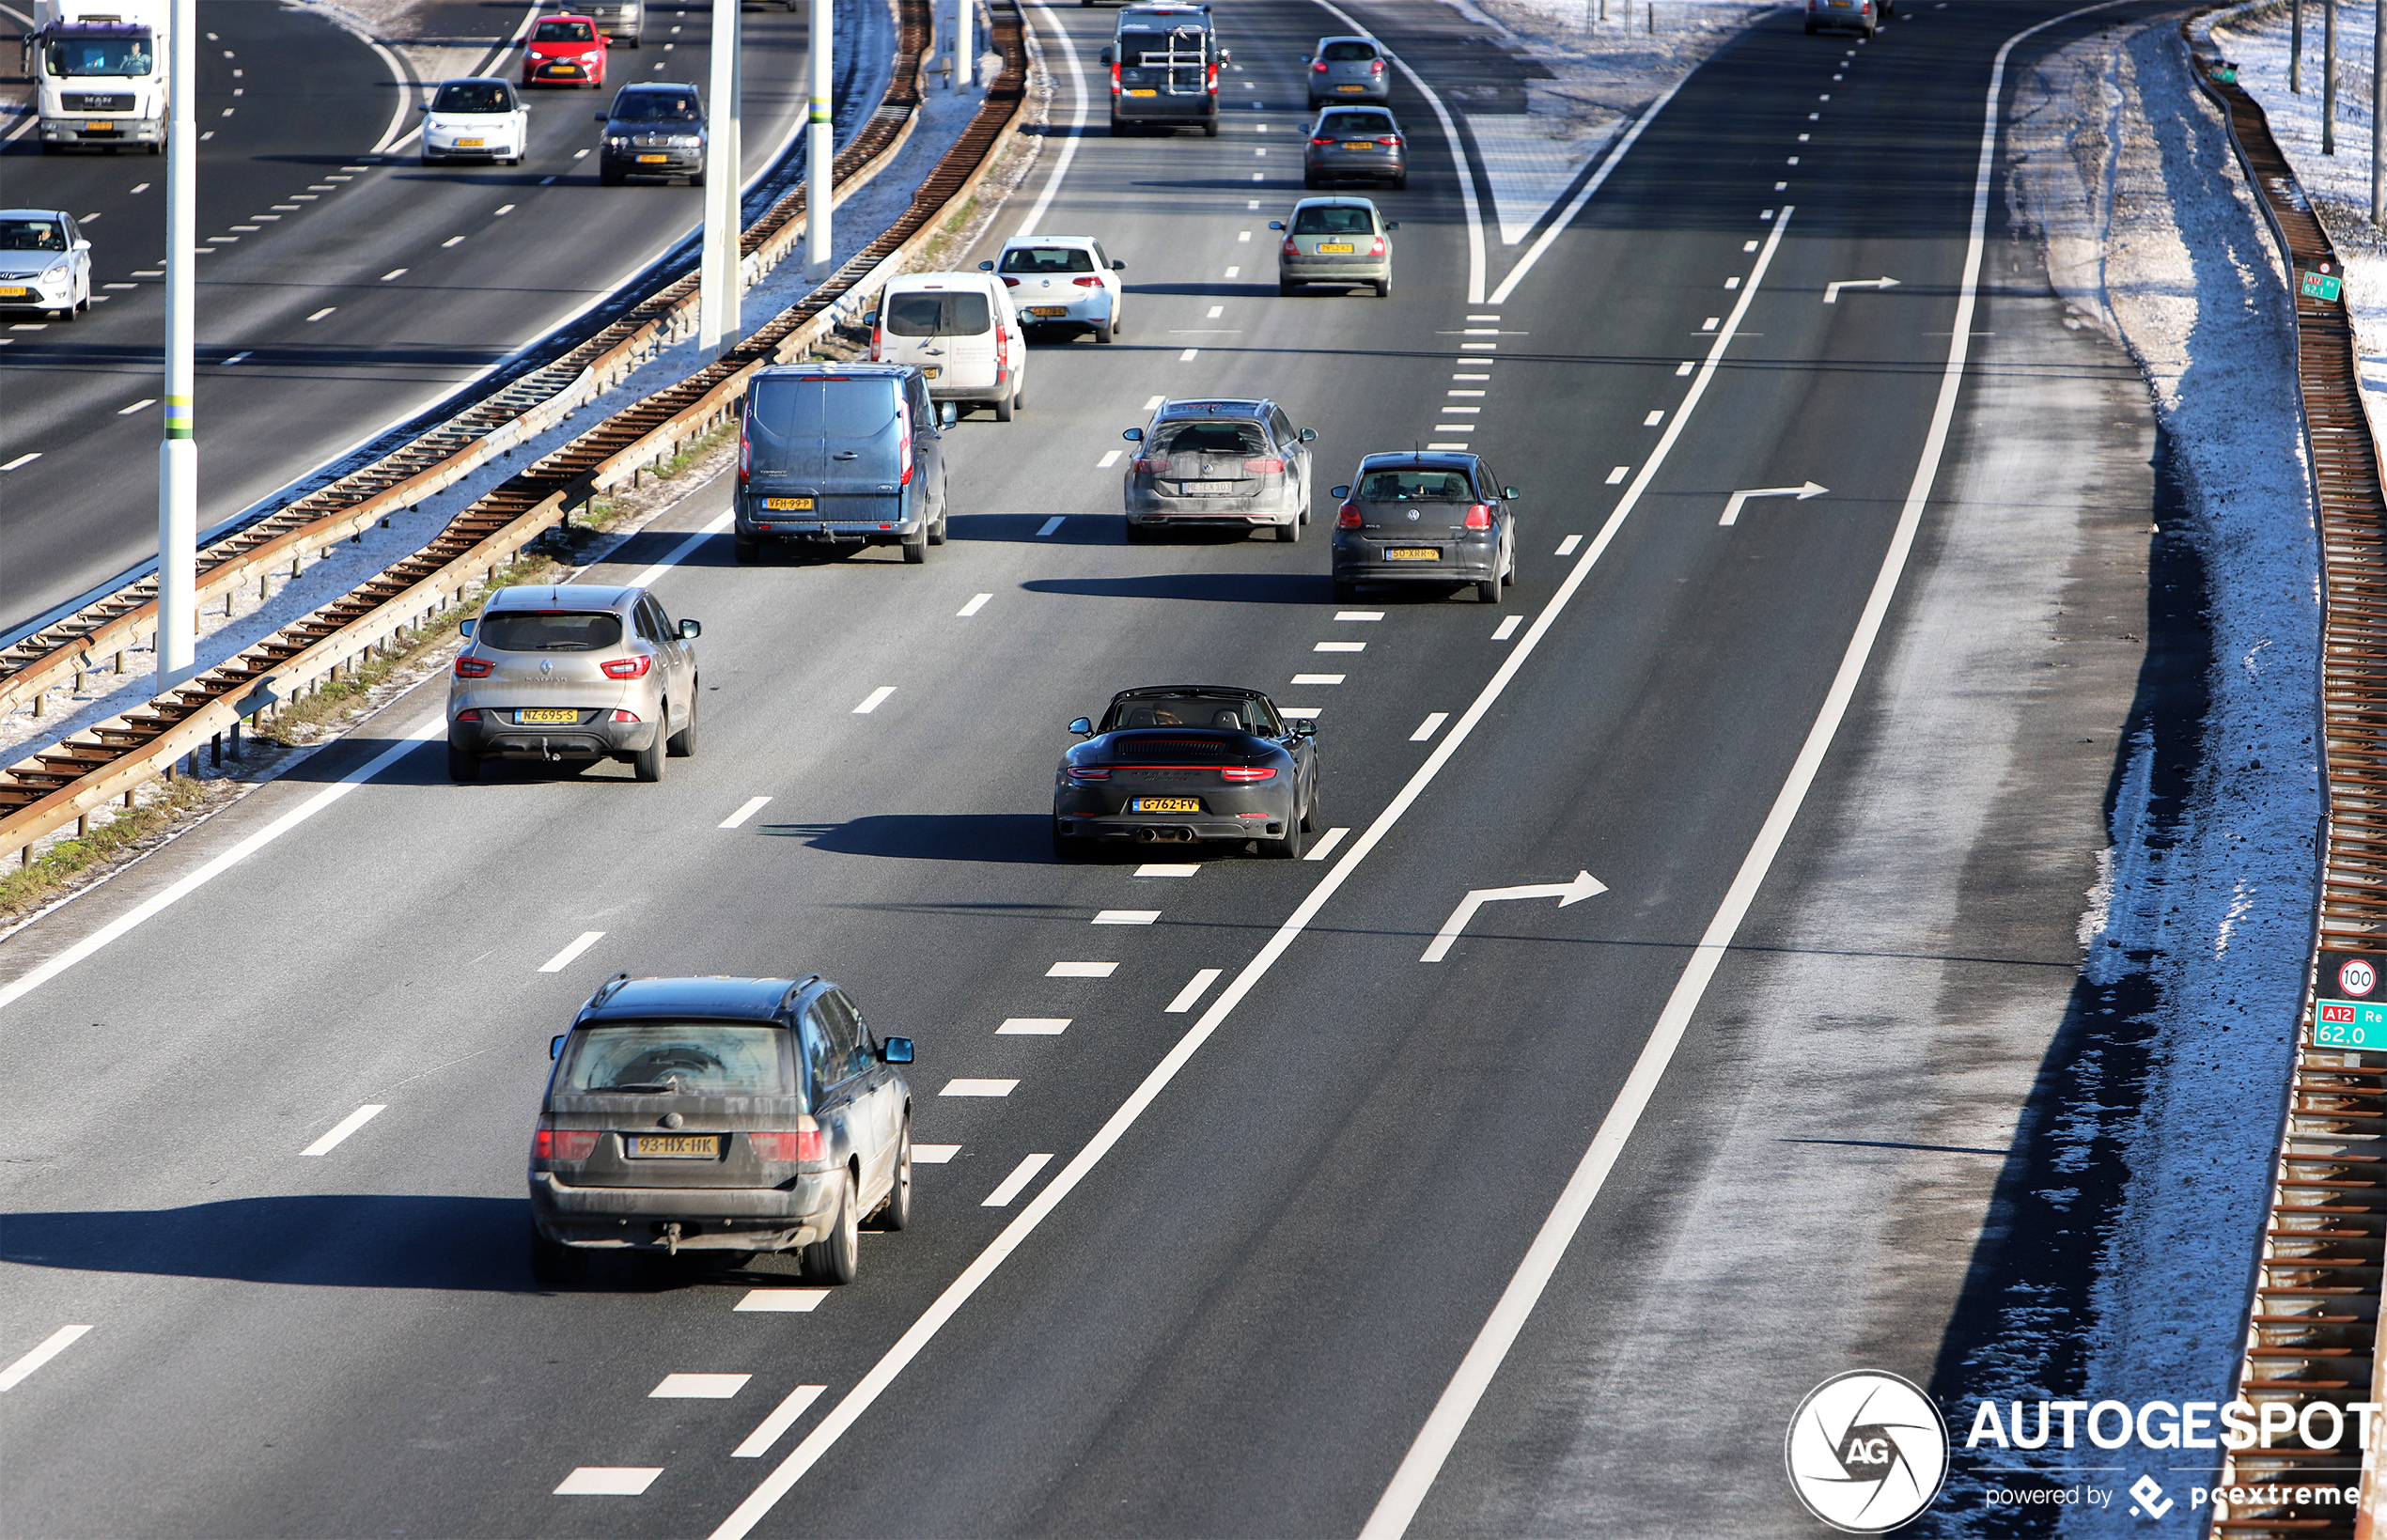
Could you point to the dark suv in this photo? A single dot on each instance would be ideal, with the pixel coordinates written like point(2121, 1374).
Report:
point(1164, 62)
point(655, 129)
point(722, 1114)
point(1426, 518)
point(840, 455)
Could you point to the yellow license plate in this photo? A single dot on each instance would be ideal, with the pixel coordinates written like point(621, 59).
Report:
point(546, 716)
point(14, 291)
point(928, 373)
point(1350, 88)
point(652, 160)
point(1335, 248)
point(1411, 554)
point(469, 143)
point(672, 1146)
point(1048, 310)
point(787, 504)
point(1359, 143)
point(1167, 805)
point(1142, 91)
point(96, 127)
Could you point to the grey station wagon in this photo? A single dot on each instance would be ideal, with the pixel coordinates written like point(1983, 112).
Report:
point(722, 1114)
point(1232, 464)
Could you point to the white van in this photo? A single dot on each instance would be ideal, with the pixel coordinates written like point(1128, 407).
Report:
point(960, 329)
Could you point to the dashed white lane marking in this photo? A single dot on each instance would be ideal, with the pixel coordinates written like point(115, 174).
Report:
point(1252, 203)
point(783, 1416)
point(1682, 370)
point(1013, 1185)
point(1242, 234)
point(698, 1387)
point(1049, 525)
point(1618, 475)
point(1732, 283)
point(1654, 419)
point(1232, 273)
point(874, 700)
point(978, 1088)
point(1257, 176)
point(580, 155)
point(561, 960)
point(752, 806)
point(1508, 628)
point(1109, 459)
point(1567, 546)
point(1300, 713)
point(1427, 729)
point(1081, 970)
point(501, 210)
point(1196, 987)
point(451, 241)
point(1359, 614)
point(1479, 348)
point(1154, 404)
point(234, 359)
point(1318, 678)
point(1188, 356)
point(609, 1480)
point(119, 286)
point(1326, 843)
point(1446, 445)
point(1710, 324)
point(326, 311)
point(142, 403)
point(1025, 1026)
point(348, 1125)
point(1216, 312)
point(1462, 393)
point(55, 1343)
point(549, 182)
point(934, 1154)
point(1159, 868)
point(1127, 917)
point(22, 460)
point(1456, 410)
point(978, 603)
point(394, 272)
point(1748, 245)
point(783, 1301)
point(1339, 646)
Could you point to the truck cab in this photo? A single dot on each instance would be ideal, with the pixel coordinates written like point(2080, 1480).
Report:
point(98, 71)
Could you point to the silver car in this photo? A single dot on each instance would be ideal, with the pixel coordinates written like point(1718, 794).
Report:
point(1335, 240)
point(1348, 69)
point(1218, 464)
point(569, 672)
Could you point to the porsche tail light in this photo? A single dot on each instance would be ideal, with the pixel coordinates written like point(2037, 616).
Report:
point(628, 668)
point(1349, 518)
point(1240, 773)
point(1089, 772)
point(1479, 516)
point(470, 667)
point(1265, 467)
point(550, 1144)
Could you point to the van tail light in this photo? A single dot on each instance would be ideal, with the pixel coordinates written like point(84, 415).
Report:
point(878, 336)
point(745, 458)
point(1115, 80)
point(1010, 283)
point(1088, 282)
point(469, 667)
point(1239, 775)
point(1265, 467)
point(793, 1144)
point(1479, 516)
point(1376, 247)
point(1317, 67)
point(628, 668)
point(551, 1144)
point(904, 443)
point(1349, 518)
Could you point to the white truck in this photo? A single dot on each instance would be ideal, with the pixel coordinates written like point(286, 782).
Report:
point(100, 67)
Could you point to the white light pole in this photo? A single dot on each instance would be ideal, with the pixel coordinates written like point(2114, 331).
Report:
point(965, 53)
point(179, 454)
point(2378, 107)
point(717, 283)
point(821, 154)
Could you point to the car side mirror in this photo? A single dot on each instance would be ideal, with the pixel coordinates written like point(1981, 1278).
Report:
point(690, 629)
point(949, 414)
point(870, 317)
point(1275, 223)
point(1132, 435)
point(1304, 727)
point(422, 106)
point(81, 244)
point(1307, 435)
point(556, 1047)
point(895, 1051)
point(1391, 225)
point(1082, 727)
point(1226, 57)
point(1118, 267)
point(464, 629)
point(1338, 493)
point(1509, 494)
point(986, 267)
point(602, 118)
point(1106, 55)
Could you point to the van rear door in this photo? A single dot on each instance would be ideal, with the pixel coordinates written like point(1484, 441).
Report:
point(826, 447)
point(947, 333)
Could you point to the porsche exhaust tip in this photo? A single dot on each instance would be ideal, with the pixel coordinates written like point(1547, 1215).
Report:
point(1164, 837)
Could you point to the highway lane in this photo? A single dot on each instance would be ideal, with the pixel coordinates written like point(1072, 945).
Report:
point(346, 292)
point(1239, 1319)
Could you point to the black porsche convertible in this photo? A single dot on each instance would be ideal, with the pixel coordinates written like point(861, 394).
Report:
point(1182, 764)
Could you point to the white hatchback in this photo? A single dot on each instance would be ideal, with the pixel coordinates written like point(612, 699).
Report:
point(45, 263)
point(1062, 281)
point(476, 118)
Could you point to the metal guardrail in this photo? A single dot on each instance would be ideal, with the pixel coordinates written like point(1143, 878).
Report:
point(519, 411)
point(2313, 1325)
point(44, 793)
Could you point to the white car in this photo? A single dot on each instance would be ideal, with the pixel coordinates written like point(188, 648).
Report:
point(962, 332)
point(45, 264)
point(1062, 282)
point(476, 118)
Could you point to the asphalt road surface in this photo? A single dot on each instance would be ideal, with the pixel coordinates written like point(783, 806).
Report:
point(1285, 1169)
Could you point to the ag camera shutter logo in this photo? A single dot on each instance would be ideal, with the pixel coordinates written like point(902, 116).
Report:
point(1867, 1452)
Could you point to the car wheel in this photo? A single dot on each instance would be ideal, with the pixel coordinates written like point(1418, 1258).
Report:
point(1002, 408)
point(648, 763)
point(1345, 590)
point(1103, 334)
point(896, 1213)
point(1118, 322)
point(462, 766)
point(553, 1262)
point(1383, 289)
point(1285, 290)
point(1290, 847)
point(1400, 184)
point(683, 742)
point(832, 1260)
point(1288, 534)
point(746, 552)
point(1118, 130)
point(1308, 180)
point(428, 160)
point(696, 179)
point(1137, 534)
point(1209, 129)
point(609, 178)
point(1810, 29)
point(916, 547)
point(937, 531)
point(1487, 591)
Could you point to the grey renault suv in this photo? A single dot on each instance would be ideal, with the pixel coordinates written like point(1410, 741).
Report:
point(1218, 464)
point(567, 673)
point(720, 1114)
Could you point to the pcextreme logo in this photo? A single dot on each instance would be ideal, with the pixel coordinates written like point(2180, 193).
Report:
point(1867, 1452)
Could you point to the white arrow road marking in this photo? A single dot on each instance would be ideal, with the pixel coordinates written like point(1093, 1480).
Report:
point(1583, 887)
point(1732, 506)
point(1832, 291)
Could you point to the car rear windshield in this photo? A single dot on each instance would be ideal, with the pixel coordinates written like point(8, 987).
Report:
point(938, 313)
point(1185, 42)
point(473, 96)
point(564, 32)
point(655, 107)
point(99, 57)
point(685, 1058)
point(1048, 259)
point(556, 630)
point(787, 419)
point(1231, 713)
point(1415, 486)
point(1355, 125)
point(1346, 53)
point(1334, 219)
point(1209, 438)
point(32, 235)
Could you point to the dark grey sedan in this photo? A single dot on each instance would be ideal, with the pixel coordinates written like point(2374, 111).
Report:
point(1348, 69)
point(1426, 518)
point(720, 1115)
point(1355, 144)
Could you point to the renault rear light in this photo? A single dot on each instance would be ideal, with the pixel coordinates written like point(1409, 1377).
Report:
point(1479, 516)
point(1376, 247)
point(1349, 518)
point(470, 667)
point(629, 717)
point(628, 668)
point(1242, 773)
point(1289, 249)
point(1265, 467)
point(553, 1143)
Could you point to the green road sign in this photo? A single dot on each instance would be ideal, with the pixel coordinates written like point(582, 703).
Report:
point(2350, 1024)
point(2323, 286)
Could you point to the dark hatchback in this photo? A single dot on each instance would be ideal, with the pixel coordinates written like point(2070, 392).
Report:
point(720, 1114)
point(1185, 764)
point(654, 130)
point(839, 456)
point(1355, 144)
point(1426, 518)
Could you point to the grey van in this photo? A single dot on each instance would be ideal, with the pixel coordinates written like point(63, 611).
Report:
point(1164, 62)
point(839, 456)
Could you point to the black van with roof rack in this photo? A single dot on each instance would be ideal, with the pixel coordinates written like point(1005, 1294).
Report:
point(1164, 62)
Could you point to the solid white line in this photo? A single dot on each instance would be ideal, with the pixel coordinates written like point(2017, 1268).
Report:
point(34, 978)
point(1032, 1026)
point(978, 603)
point(1021, 1175)
point(1428, 727)
point(680, 552)
point(1033, 224)
point(1127, 917)
point(1567, 546)
point(1109, 459)
point(965, 1087)
point(782, 1301)
point(754, 805)
point(562, 961)
point(892, 1363)
point(1196, 987)
point(55, 1343)
point(1049, 525)
point(609, 1480)
point(874, 700)
point(1326, 843)
point(698, 1387)
point(782, 1418)
point(1574, 205)
point(1081, 970)
point(344, 1127)
point(1508, 628)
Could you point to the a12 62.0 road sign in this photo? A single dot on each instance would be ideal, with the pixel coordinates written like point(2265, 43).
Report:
point(2349, 1023)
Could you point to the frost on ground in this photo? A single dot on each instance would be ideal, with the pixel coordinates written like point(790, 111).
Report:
point(2152, 236)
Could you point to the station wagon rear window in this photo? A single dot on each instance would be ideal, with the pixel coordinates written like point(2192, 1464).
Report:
point(679, 1058)
point(1334, 219)
point(930, 313)
point(563, 630)
point(1209, 438)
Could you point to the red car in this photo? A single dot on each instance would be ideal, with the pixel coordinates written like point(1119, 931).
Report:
point(564, 50)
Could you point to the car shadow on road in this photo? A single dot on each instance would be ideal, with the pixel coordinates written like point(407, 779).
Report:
point(337, 1240)
point(1016, 838)
point(1075, 528)
point(1201, 587)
